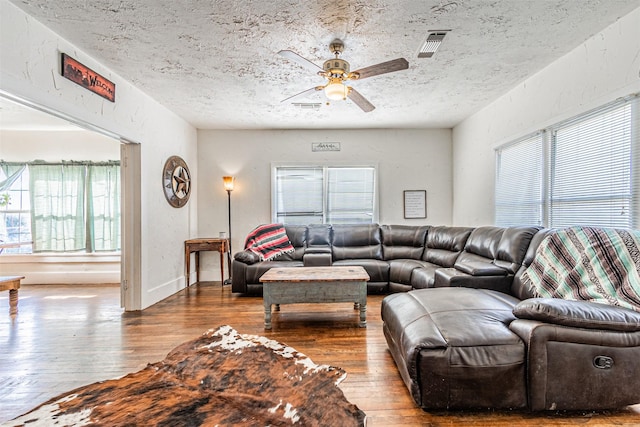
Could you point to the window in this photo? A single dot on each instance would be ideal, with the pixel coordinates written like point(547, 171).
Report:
point(15, 210)
point(324, 194)
point(62, 207)
point(587, 177)
point(520, 162)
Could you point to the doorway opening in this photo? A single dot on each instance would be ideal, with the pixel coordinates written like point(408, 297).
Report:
point(32, 132)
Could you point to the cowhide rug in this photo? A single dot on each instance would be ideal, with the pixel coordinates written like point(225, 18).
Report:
point(221, 378)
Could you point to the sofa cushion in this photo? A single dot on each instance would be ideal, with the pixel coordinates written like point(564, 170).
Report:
point(359, 241)
point(319, 235)
point(513, 246)
point(480, 251)
point(255, 271)
point(378, 270)
point(400, 270)
point(403, 241)
point(454, 349)
point(484, 241)
point(298, 237)
point(519, 289)
point(444, 244)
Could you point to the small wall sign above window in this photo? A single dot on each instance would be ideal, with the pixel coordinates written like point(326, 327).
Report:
point(325, 146)
point(87, 78)
point(415, 204)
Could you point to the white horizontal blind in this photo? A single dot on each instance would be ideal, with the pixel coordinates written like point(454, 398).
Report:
point(324, 194)
point(519, 195)
point(299, 195)
point(590, 182)
point(350, 195)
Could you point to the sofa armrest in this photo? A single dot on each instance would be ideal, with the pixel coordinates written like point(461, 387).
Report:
point(578, 314)
point(317, 256)
point(572, 368)
point(475, 268)
point(318, 250)
point(246, 257)
point(452, 277)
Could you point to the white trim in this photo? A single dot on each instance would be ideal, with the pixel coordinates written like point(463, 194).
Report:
point(59, 258)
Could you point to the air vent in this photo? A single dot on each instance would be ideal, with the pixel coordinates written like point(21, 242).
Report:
point(307, 105)
point(433, 42)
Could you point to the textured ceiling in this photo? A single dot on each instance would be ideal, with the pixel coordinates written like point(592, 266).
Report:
point(215, 62)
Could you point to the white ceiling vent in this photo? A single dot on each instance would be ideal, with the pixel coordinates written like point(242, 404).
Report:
point(307, 105)
point(432, 43)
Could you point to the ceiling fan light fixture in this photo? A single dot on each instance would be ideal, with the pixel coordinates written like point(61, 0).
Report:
point(336, 90)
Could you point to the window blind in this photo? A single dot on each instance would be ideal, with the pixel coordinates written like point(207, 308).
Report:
point(299, 195)
point(583, 171)
point(590, 181)
point(324, 194)
point(350, 195)
point(519, 197)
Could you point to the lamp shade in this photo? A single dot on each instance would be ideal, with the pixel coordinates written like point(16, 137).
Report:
point(336, 90)
point(228, 182)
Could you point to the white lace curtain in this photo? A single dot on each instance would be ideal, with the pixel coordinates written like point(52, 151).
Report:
point(74, 206)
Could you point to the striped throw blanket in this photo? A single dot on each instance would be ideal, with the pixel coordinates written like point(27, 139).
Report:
point(268, 241)
point(591, 264)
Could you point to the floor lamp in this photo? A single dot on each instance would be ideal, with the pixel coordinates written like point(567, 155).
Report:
point(228, 182)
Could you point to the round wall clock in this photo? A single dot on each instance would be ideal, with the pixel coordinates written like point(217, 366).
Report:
point(176, 181)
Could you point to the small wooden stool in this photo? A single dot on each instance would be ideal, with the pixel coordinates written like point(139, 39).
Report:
point(11, 284)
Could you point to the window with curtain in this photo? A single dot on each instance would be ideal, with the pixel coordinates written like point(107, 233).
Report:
point(61, 207)
point(587, 177)
point(324, 194)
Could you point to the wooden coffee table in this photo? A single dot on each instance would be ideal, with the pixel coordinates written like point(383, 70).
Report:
point(315, 284)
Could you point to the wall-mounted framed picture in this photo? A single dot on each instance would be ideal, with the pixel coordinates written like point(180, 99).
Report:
point(415, 204)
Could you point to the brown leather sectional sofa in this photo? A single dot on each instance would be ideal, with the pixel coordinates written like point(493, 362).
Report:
point(463, 329)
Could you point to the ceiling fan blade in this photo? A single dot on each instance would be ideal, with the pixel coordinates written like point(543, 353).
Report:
point(360, 100)
point(292, 56)
point(304, 92)
point(382, 68)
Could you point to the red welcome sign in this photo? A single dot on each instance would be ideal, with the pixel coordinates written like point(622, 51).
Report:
point(87, 78)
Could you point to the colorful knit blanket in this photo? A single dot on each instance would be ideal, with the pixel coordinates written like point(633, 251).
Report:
point(591, 264)
point(268, 241)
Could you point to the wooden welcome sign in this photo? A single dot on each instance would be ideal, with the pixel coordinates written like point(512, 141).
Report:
point(87, 78)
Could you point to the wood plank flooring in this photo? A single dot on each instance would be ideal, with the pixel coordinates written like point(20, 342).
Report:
point(67, 336)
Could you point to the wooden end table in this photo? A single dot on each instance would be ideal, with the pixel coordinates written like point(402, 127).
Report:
point(290, 285)
point(11, 284)
point(197, 245)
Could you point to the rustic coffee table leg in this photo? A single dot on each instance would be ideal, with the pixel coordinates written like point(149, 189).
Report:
point(363, 315)
point(266, 298)
point(13, 302)
point(362, 304)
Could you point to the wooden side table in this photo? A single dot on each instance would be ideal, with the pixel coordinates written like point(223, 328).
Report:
point(11, 284)
point(198, 245)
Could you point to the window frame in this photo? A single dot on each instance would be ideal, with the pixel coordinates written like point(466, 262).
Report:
point(325, 166)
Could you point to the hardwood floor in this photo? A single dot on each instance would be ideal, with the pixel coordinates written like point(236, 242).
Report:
point(67, 336)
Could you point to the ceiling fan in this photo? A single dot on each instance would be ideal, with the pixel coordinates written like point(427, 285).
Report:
point(337, 73)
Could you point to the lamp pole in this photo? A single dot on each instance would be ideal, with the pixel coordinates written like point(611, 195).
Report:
point(228, 186)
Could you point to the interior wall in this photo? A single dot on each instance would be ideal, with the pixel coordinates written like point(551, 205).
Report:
point(603, 68)
point(29, 69)
point(53, 146)
point(407, 160)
